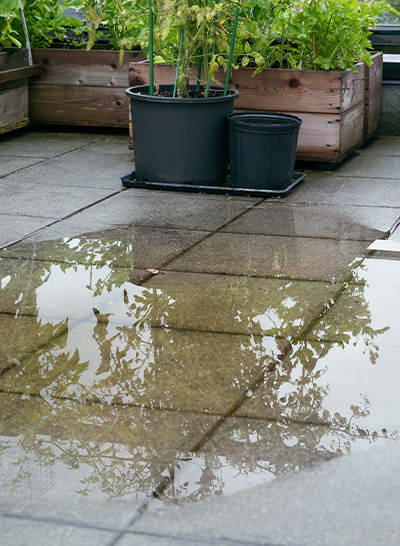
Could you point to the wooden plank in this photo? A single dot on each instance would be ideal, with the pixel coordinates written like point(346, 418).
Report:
point(13, 108)
point(351, 129)
point(19, 73)
point(291, 90)
point(97, 68)
point(14, 126)
point(353, 87)
point(13, 57)
point(78, 105)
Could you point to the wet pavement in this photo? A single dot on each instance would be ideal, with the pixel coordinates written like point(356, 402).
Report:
point(161, 348)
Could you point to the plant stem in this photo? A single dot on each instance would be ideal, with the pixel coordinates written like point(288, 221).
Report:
point(28, 44)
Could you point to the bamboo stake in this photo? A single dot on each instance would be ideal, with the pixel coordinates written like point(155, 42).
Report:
point(28, 44)
point(313, 40)
point(228, 69)
point(151, 55)
point(179, 61)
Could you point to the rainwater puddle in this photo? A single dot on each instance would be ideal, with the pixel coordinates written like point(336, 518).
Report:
point(189, 385)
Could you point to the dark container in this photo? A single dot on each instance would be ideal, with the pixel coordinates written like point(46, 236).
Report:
point(180, 140)
point(262, 149)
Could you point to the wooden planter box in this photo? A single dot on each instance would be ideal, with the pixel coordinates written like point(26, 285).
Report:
point(14, 90)
point(330, 104)
point(79, 87)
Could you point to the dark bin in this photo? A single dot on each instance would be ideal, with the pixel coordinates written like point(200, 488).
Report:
point(262, 149)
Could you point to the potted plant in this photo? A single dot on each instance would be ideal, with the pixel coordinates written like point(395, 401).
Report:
point(311, 59)
point(180, 131)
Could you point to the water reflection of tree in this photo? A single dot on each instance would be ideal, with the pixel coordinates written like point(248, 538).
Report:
point(160, 362)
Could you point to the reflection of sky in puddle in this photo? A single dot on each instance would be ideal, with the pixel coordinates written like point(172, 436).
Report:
point(185, 383)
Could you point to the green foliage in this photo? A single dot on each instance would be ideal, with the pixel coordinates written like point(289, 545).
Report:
point(270, 32)
point(341, 29)
point(122, 22)
point(45, 20)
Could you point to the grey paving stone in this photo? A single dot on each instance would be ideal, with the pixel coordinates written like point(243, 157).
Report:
point(141, 539)
point(263, 255)
point(388, 146)
point(348, 501)
point(168, 209)
point(21, 532)
point(140, 248)
point(39, 200)
point(79, 169)
point(9, 165)
point(374, 166)
point(241, 305)
point(335, 222)
point(111, 514)
point(14, 227)
point(47, 143)
point(335, 189)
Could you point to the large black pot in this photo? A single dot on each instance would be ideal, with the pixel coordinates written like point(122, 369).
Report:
point(180, 140)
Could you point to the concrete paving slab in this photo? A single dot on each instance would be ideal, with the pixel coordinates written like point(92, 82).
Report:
point(104, 514)
point(15, 227)
point(46, 144)
point(240, 305)
point(243, 453)
point(134, 247)
point(142, 539)
point(151, 247)
point(193, 372)
point(169, 210)
point(31, 533)
point(334, 189)
point(381, 145)
point(79, 169)
point(335, 222)
point(346, 501)
point(267, 256)
point(365, 165)
point(10, 165)
point(40, 200)
point(69, 451)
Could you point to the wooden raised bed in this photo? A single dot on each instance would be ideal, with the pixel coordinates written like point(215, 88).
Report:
point(330, 104)
point(79, 87)
point(14, 89)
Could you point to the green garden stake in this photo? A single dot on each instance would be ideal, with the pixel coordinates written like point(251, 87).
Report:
point(178, 63)
point(212, 54)
point(199, 70)
point(151, 65)
point(228, 69)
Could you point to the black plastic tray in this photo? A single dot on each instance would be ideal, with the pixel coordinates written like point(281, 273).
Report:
point(129, 181)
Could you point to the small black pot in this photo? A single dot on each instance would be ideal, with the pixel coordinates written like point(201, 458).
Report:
point(262, 149)
point(180, 140)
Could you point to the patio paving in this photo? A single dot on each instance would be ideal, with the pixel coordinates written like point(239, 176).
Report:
point(196, 369)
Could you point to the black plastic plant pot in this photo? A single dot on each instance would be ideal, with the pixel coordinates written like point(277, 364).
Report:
point(180, 140)
point(262, 149)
